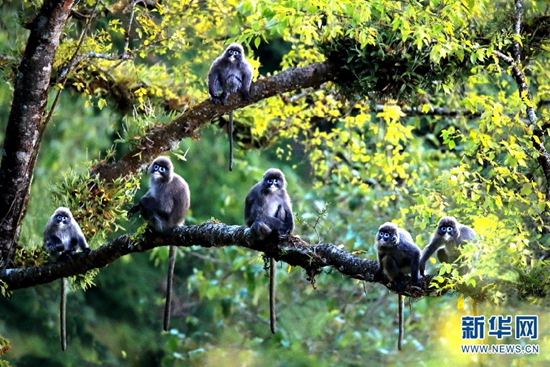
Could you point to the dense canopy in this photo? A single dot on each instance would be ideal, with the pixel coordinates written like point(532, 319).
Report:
point(376, 111)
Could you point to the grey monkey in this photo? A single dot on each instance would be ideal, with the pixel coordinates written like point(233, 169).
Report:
point(165, 207)
point(268, 213)
point(229, 73)
point(446, 240)
point(397, 255)
point(62, 237)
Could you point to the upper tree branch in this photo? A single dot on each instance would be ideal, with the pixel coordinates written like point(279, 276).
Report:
point(165, 138)
point(525, 93)
point(23, 132)
point(292, 250)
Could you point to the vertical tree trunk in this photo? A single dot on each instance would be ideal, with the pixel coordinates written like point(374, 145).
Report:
point(23, 133)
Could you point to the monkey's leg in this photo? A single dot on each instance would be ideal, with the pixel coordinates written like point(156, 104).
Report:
point(272, 311)
point(400, 336)
point(169, 281)
point(230, 132)
point(63, 314)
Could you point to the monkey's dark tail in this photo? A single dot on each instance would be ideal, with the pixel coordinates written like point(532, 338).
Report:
point(230, 132)
point(400, 337)
point(169, 281)
point(62, 314)
point(272, 311)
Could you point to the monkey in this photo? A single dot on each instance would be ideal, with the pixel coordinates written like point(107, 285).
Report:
point(268, 213)
point(62, 237)
point(165, 206)
point(229, 73)
point(447, 239)
point(397, 254)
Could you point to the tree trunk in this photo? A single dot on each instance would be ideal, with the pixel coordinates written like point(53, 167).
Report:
point(24, 130)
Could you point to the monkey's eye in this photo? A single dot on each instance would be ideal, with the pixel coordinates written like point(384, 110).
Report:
point(449, 229)
point(158, 168)
point(59, 218)
point(385, 235)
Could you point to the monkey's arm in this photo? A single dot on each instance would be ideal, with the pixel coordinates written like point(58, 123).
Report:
point(289, 221)
point(284, 214)
point(150, 208)
point(214, 83)
point(380, 258)
point(252, 206)
point(52, 243)
point(427, 253)
point(246, 80)
point(83, 244)
point(415, 266)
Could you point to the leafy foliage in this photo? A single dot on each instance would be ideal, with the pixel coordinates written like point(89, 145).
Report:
point(423, 121)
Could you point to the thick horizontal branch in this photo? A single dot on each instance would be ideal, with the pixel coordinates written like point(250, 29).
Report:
point(164, 138)
point(292, 250)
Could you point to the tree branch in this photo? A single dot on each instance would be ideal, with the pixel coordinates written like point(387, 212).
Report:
point(290, 249)
point(525, 94)
point(164, 138)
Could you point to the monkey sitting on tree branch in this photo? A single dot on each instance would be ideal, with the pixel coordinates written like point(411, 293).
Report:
point(268, 213)
point(229, 73)
point(165, 206)
point(397, 255)
point(62, 237)
point(313, 258)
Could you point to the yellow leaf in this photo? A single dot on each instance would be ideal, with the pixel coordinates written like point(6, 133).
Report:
point(460, 303)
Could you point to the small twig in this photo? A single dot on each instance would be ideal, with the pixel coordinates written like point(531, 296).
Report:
point(129, 26)
point(92, 55)
point(519, 14)
point(522, 84)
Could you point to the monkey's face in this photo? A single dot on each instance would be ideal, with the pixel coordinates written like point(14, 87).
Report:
point(233, 54)
point(159, 172)
point(387, 236)
point(272, 184)
point(447, 231)
point(62, 218)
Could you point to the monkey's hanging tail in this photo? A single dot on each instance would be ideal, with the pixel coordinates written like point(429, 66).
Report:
point(400, 337)
point(230, 132)
point(63, 314)
point(272, 311)
point(169, 281)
